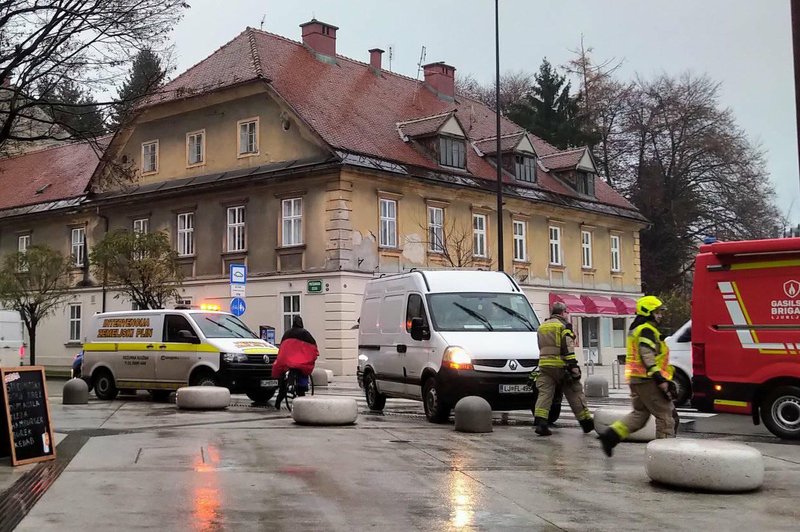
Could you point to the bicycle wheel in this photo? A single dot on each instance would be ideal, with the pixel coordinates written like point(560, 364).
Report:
point(291, 389)
point(311, 384)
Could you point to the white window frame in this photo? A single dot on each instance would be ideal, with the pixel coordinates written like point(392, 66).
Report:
point(141, 226)
point(554, 233)
point(78, 246)
point(387, 213)
point(616, 265)
point(236, 228)
point(75, 321)
point(23, 243)
point(452, 152)
point(185, 233)
point(191, 142)
point(153, 170)
point(240, 150)
point(479, 248)
point(586, 249)
point(292, 222)
point(520, 230)
point(526, 169)
point(292, 312)
point(435, 229)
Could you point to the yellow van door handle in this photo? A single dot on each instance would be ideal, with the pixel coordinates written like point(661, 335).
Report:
point(149, 346)
point(162, 346)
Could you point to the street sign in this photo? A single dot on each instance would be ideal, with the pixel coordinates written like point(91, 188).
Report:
point(238, 290)
point(238, 306)
point(238, 274)
point(314, 286)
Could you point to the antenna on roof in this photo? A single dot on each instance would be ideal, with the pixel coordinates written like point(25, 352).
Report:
point(391, 55)
point(421, 60)
point(262, 21)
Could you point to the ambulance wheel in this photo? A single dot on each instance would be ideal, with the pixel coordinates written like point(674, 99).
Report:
point(684, 386)
point(780, 411)
point(203, 377)
point(435, 409)
point(104, 386)
point(375, 399)
point(260, 396)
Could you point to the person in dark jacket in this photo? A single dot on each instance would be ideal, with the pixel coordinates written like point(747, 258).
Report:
point(298, 351)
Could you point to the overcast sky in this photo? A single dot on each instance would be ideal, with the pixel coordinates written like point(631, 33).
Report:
point(744, 44)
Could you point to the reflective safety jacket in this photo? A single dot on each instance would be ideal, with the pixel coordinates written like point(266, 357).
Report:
point(556, 343)
point(647, 335)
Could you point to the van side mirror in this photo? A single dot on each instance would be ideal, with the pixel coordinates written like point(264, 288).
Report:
point(420, 331)
point(183, 334)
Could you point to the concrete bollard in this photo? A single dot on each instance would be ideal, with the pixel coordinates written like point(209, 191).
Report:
point(595, 386)
point(324, 410)
point(473, 414)
point(330, 375)
point(705, 464)
point(320, 377)
point(202, 398)
point(603, 417)
point(76, 392)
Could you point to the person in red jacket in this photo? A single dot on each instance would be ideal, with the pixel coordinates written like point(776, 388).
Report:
point(298, 352)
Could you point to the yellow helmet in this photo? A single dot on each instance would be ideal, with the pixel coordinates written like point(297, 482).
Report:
point(646, 305)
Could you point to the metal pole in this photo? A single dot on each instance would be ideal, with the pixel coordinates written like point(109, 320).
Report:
point(795, 4)
point(500, 247)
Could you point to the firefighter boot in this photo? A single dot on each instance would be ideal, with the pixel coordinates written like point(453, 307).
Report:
point(587, 425)
point(609, 438)
point(540, 427)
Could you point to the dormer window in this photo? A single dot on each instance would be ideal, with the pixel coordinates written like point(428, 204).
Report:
point(452, 152)
point(525, 168)
point(584, 183)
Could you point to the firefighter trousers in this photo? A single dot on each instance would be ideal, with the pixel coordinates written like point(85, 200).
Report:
point(648, 399)
point(546, 384)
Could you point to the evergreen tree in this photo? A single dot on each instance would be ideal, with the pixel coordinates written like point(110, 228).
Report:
point(146, 75)
point(550, 112)
point(75, 112)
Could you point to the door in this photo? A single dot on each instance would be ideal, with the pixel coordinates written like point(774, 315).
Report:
point(391, 355)
point(133, 363)
point(590, 339)
point(175, 356)
point(416, 356)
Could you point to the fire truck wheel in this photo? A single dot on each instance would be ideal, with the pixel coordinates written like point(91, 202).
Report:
point(684, 385)
point(780, 411)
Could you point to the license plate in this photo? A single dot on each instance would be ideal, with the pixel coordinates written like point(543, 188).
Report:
point(515, 388)
point(269, 383)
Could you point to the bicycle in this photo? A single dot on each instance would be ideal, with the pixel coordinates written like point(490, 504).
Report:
point(290, 378)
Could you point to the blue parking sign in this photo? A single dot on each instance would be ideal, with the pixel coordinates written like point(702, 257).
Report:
point(238, 306)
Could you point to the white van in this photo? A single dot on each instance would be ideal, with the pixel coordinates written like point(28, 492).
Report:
point(162, 350)
point(11, 338)
point(680, 356)
point(441, 335)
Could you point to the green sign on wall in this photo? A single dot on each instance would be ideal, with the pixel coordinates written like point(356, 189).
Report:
point(314, 287)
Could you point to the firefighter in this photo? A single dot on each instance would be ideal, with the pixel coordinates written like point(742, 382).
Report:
point(649, 375)
point(559, 366)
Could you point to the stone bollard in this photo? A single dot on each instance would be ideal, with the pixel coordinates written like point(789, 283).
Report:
point(320, 377)
point(603, 417)
point(330, 375)
point(76, 392)
point(596, 386)
point(473, 414)
point(202, 398)
point(324, 410)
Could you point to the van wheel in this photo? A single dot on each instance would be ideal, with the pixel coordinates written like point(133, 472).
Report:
point(260, 396)
point(375, 399)
point(104, 386)
point(684, 386)
point(435, 410)
point(781, 412)
point(203, 378)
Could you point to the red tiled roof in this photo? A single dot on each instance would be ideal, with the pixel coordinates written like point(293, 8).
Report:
point(423, 126)
point(61, 172)
point(564, 160)
point(509, 142)
point(350, 106)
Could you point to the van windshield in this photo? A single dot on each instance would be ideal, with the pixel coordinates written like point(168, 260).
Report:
point(222, 326)
point(481, 311)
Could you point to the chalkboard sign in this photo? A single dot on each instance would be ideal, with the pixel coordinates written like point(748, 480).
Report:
point(26, 434)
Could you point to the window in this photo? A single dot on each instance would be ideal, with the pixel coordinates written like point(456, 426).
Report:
point(292, 221)
point(248, 137)
point(525, 168)
point(75, 322)
point(415, 309)
point(520, 251)
point(195, 148)
point(586, 249)
point(615, 264)
point(436, 229)
point(23, 242)
point(555, 245)
point(388, 220)
point(141, 226)
point(479, 235)
point(78, 246)
point(186, 234)
point(584, 183)
point(236, 228)
point(150, 157)
point(173, 325)
point(618, 332)
point(451, 152)
point(291, 308)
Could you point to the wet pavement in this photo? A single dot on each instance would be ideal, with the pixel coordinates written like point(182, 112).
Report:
point(135, 464)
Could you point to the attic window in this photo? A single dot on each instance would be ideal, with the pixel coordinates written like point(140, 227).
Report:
point(41, 190)
point(584, 183)
point(452, 152)
point(525, 168)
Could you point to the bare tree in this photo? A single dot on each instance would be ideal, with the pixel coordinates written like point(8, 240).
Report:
point(455, 244)
point(513, 87)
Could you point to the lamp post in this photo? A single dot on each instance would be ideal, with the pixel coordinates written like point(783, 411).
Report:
point(499, 155)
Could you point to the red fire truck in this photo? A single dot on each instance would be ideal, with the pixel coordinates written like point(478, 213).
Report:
point(746, 331)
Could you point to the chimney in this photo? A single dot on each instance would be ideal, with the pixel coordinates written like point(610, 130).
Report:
point(375, 58)
point(441, 78)
point(320, 37)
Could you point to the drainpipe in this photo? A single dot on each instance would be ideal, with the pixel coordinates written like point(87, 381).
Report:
point(105, 278)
